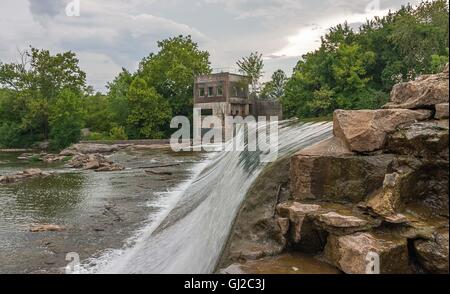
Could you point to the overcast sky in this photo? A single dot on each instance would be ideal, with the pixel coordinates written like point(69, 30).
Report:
point(111, 34)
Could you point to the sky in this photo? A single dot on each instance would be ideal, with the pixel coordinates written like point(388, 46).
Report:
point(107, 35)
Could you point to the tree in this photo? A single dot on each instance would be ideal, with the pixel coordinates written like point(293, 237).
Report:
point(37, 81)
point(356, 70)
point(118, 107)
point(274, 89)
point(171, 71)
point(252, 66)
point(98, 115)
point(66, 119)
point(149, 111)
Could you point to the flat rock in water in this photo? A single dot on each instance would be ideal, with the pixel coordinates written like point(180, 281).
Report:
point(46, 228)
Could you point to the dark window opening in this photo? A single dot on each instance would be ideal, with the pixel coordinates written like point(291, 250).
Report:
point(206, 112)
point(219, 91)
point(201, 92)
point(210, 91)
point(235, 90)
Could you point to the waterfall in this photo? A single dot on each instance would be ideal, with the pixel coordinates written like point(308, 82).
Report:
point(190, 237)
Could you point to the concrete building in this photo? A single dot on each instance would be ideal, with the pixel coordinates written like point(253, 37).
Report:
point(227, 94)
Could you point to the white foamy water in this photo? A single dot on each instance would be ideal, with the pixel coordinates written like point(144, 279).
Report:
point(189, 233)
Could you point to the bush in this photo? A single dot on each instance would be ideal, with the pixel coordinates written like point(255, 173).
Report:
point(118, 133)
point(64, 135)
point(94, 136)
point(11, 136)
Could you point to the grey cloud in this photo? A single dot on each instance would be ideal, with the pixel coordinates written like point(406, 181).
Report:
point(110, 34)
point(48, 8)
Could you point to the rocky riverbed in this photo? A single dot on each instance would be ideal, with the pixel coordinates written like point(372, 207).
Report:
point(373, 198)
point(80, 210)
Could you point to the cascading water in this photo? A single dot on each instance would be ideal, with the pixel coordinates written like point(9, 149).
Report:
point(191, 236)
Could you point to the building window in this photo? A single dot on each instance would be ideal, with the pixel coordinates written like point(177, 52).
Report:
point(210, 91)
point(206, 112)
point(219, 91)
point(235, 91)
point(201, 92)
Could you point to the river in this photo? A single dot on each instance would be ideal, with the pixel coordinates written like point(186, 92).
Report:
point(131, 222)
point(101, 212)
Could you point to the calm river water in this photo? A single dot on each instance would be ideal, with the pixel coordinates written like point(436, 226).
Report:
point(100, 211)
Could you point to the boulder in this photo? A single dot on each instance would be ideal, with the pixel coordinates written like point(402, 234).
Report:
point(26, 174)
point(96, 162)
point(89, 148)
point(413, 185)
point(366, 130)
point(328, 171)
point(296, 213)
point(424, 92)
point(422, 139)
point(92, 164)
point(441, 111)
point(433, 254)
point(359, 253)
point(334, 219)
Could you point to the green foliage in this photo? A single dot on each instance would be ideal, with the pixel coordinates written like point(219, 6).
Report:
point(118, 133)
point(171, 71)
point(149, 111)
point(97, 112)
point(274, 89)
point(118, 108)
point(66, 119)
point(356, 70)
point(252, 67)
point(95, 136)
point(45, 97)
point(31, 88)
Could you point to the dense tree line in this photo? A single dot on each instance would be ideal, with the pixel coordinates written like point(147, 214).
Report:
point(44, 97)
point(357, 69)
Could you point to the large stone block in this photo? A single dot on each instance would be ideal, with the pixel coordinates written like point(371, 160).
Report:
point(423, 139)
point(366, 130)
point(356, 254)
point(414, 186)
point(328, 171)
point(433, 254)
point(424, 92)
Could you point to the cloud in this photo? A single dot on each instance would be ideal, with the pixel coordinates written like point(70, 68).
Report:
point(111, 34)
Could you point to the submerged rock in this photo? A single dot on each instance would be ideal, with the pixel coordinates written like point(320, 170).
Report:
point(366, 130)
point(46, 228)
point(424, 92)
point(26, 174)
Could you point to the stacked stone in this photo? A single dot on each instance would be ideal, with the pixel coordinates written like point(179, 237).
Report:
point(379, 186)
